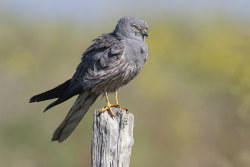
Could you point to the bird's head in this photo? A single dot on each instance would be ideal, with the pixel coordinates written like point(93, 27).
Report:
point(132, 27)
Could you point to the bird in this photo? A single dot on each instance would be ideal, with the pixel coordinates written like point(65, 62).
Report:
point(112, 61)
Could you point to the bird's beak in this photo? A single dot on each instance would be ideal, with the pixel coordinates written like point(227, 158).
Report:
point(145, 32)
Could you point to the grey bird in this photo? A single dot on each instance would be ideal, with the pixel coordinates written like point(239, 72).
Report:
point(112, 61)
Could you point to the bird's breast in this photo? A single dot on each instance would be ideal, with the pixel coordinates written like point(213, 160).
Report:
point(126, 68)
point(136, 52)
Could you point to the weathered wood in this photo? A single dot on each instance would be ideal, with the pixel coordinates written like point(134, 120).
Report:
point(112, 138)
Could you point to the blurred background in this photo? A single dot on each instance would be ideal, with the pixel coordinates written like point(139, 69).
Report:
point(191, 101)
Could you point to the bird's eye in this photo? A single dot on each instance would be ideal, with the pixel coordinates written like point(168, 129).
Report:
point(135, 27)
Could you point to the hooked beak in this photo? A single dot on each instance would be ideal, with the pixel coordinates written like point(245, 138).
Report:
point(145, 32)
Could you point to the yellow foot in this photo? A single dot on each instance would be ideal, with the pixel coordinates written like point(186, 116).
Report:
point(118, 106)
point(108, 107)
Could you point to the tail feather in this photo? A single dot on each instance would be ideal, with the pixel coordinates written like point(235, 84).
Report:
point(63, 92)
point(51, 94)
point(67, 94)
point(58, 101)
point(75, 115)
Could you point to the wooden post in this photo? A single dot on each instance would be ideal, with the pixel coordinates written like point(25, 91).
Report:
point(112, 138)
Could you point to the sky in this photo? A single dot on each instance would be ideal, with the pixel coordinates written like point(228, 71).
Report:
point(103, 10)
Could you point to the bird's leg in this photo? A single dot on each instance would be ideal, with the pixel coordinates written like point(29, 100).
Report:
point(116, 102)
point(116, 99)
point(108, 107)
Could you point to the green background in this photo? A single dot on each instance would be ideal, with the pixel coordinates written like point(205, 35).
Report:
point(191, 101)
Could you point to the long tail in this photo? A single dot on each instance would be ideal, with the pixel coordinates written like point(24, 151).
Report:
point(75, 115)
point(63, 92)
point(51, 94)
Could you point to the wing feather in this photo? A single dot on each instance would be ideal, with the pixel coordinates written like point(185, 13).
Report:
point(99, 60)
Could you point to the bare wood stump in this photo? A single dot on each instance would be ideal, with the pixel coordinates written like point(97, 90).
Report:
point(112, 138)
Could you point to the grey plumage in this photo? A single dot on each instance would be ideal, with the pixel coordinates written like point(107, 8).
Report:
point(110, 62)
